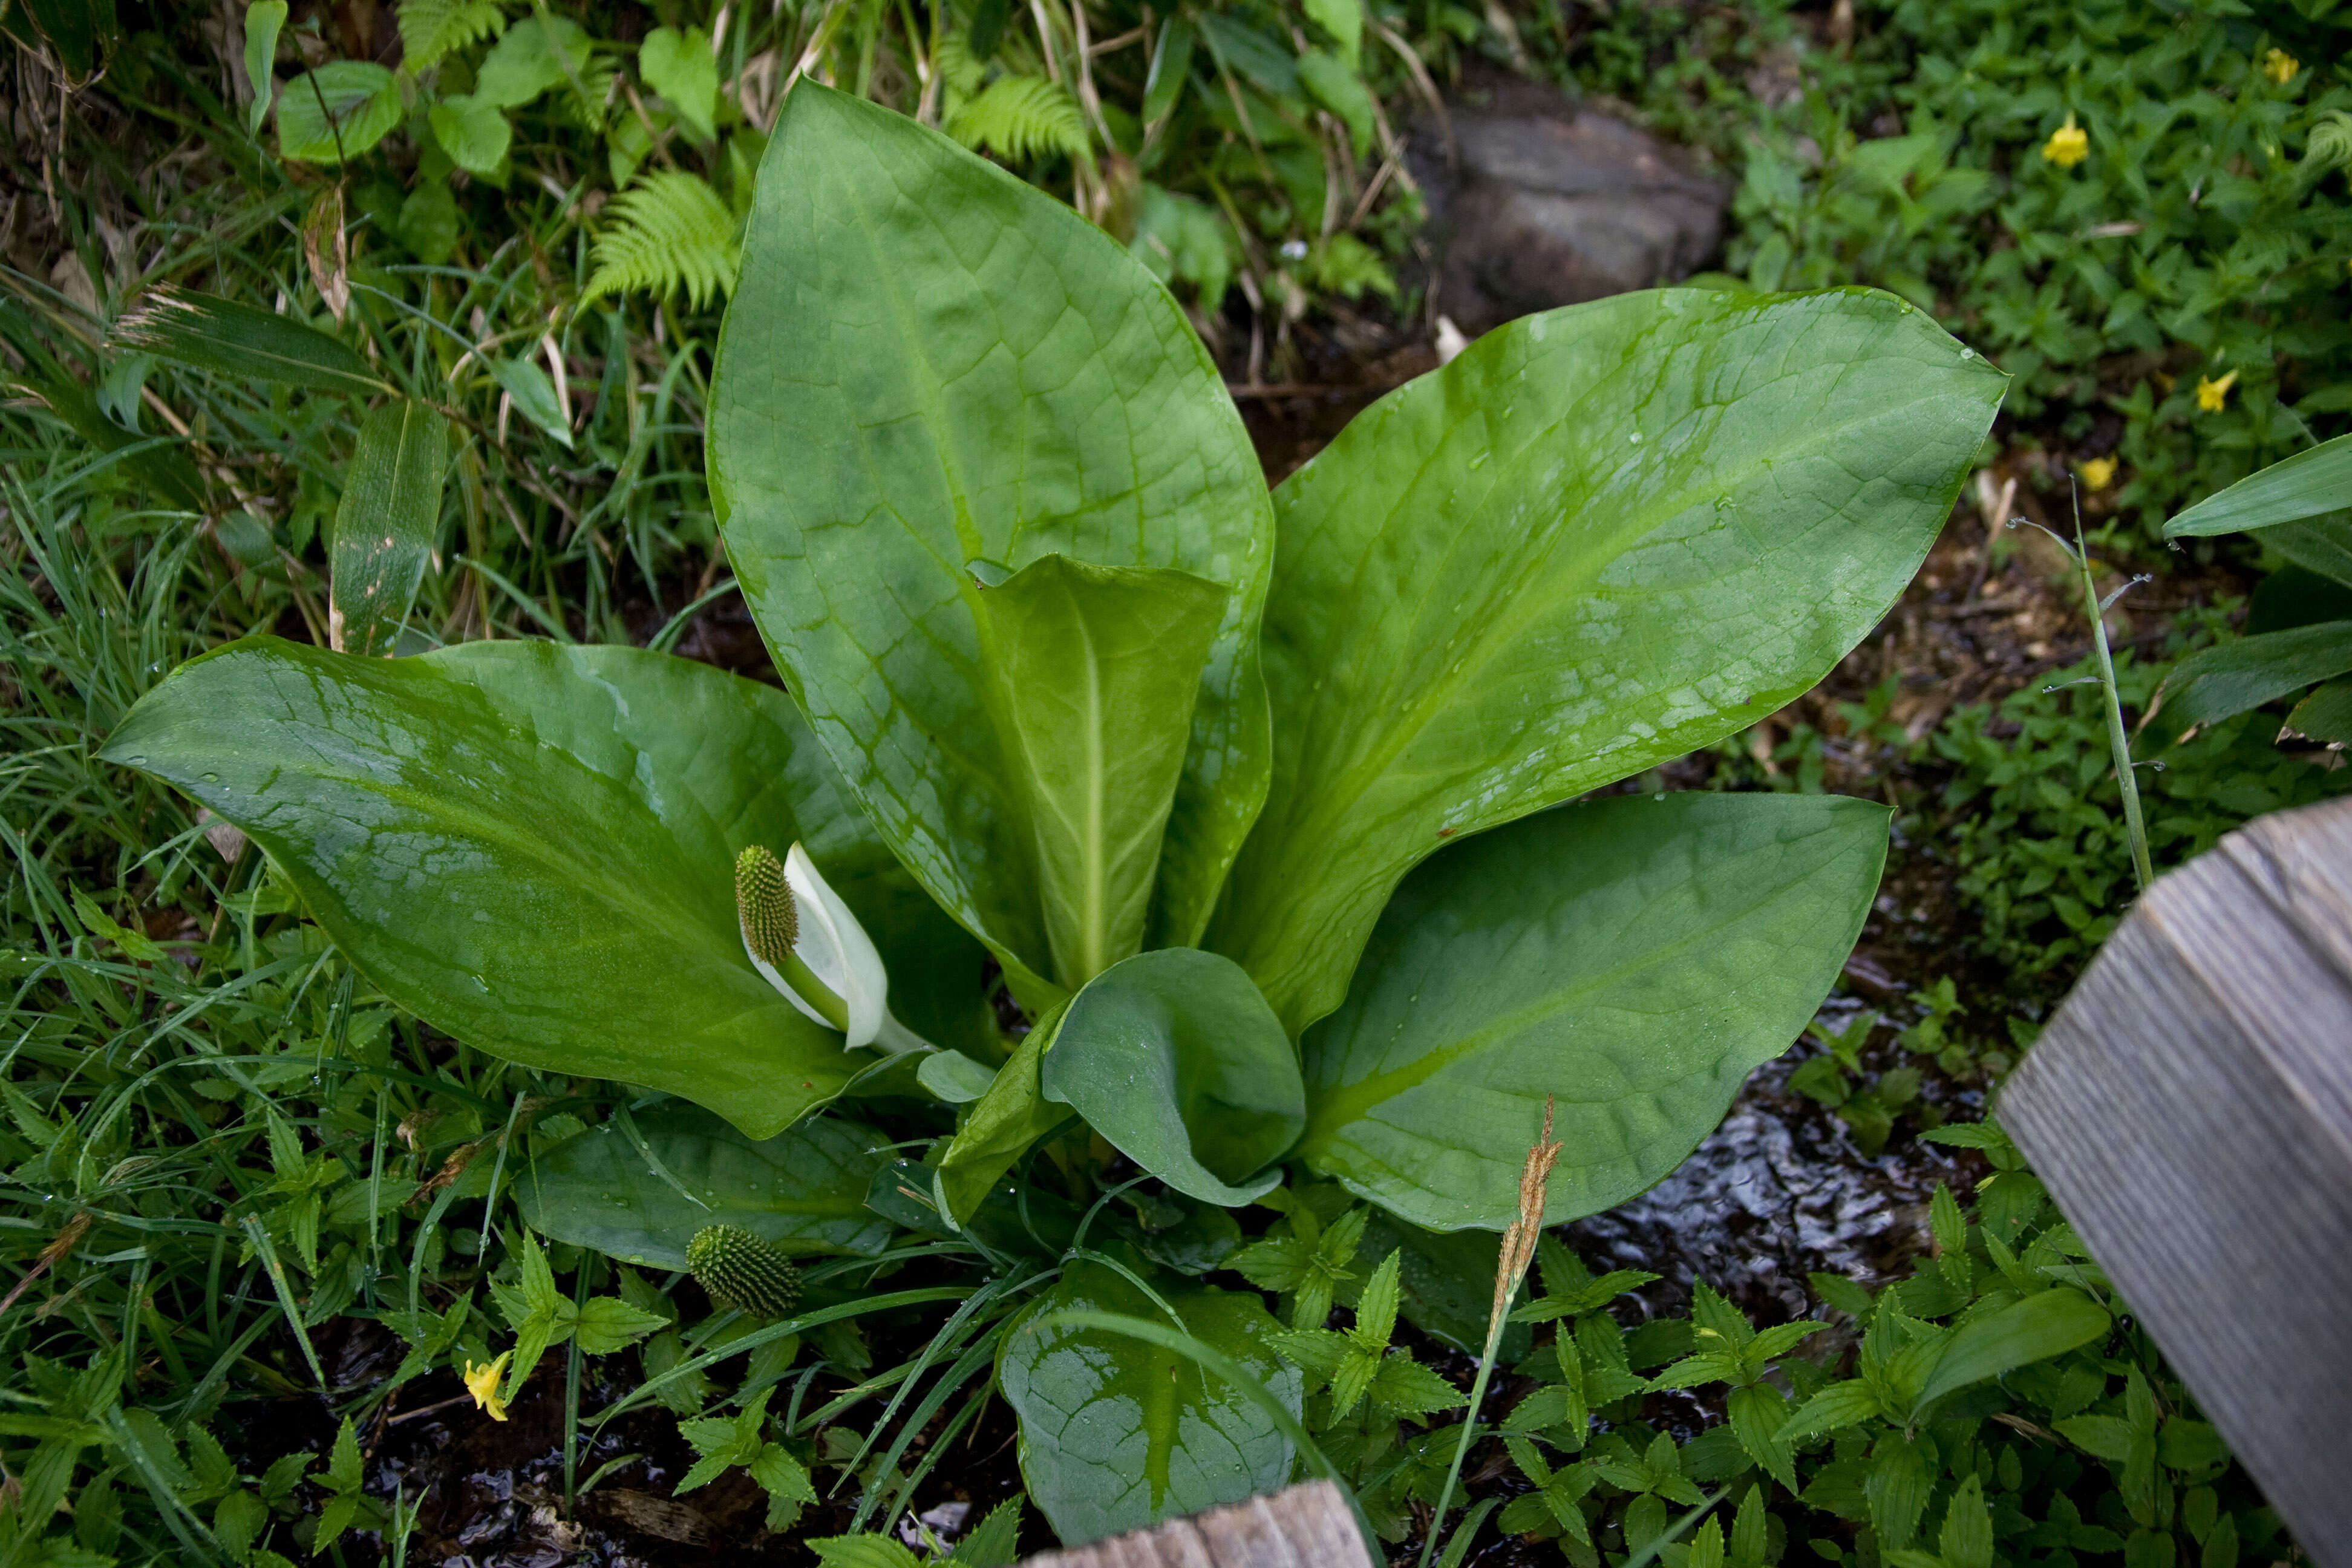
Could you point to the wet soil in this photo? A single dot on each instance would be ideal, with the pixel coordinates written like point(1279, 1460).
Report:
point(492, 1494)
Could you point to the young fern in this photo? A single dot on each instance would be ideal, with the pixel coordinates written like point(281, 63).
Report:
point(1021, 117)
point(2329, 143)
point(668, 231)
point(431, 30)
point(960, 73)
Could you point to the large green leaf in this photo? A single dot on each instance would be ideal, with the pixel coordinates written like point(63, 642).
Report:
point(1599, 538)
point(926, 363)
point(639, 1190)
point(1175, 1058)
point(2246, 672)
point(1117, 1435)
point(1634, 957)
point(2305, 485)
point(1096, 671)
point(532, 847)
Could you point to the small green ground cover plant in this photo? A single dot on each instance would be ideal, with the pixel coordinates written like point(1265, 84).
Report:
point(1240, 141)
point(1961, 1436)
point(1071, 682)
point(2035, 831)
point(2137, 210)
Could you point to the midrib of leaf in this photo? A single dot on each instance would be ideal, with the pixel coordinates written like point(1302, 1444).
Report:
point(1352, 782)
point(967, 541)
point(1093, 855)
point(1328, 1109)
point(1159, 1414)
point(489, 828)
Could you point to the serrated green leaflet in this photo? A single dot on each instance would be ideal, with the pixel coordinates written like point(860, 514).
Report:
point(1117, 1435)
point(533, 846)
point(1600, 537)
point(1633, 957)
point(925, 362)
point(641, 1203)
point(1095, 671)
point(1176, 1059)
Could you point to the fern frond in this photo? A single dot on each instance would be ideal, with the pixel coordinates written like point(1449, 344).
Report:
point(431, 30)
point(1345, 265)
point(960, 72)
point(667, 232)
point(2330, 141)
point(1020, 116)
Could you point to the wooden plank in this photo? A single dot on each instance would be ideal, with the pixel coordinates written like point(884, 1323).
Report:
point(2190, 1110)
point(1307, 1526)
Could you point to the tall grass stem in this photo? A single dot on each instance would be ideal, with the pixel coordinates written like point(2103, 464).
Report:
point(2118, 739)
point(1518, 1247)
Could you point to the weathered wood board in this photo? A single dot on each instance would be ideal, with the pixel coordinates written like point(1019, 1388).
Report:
point(2190, 1110)
point(1306, 1526)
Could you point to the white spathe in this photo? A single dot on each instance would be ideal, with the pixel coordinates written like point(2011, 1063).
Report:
point(841, 955)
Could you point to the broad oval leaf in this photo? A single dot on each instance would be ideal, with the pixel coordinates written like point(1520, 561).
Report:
point(532, 847)
point(1117, 1435)
point(1175, 1058)
point(925, 362)
point(1095, 669)
point(1603, 536)
point(537, 53)
point(638, 1191)
point(679, 66)
point(337, 111)
point(1633, 957)
point(473, 132)
point(2311, 482)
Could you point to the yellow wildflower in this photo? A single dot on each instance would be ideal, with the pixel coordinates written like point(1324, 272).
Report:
point(2212, 395)
point(2099, 473)
point(2068, 145)
point(482, 1382)
point(2281, 67)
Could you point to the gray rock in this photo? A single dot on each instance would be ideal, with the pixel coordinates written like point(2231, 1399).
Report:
point(1535, 202)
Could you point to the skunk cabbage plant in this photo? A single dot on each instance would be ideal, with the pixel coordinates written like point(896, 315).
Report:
point(1258, 803)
